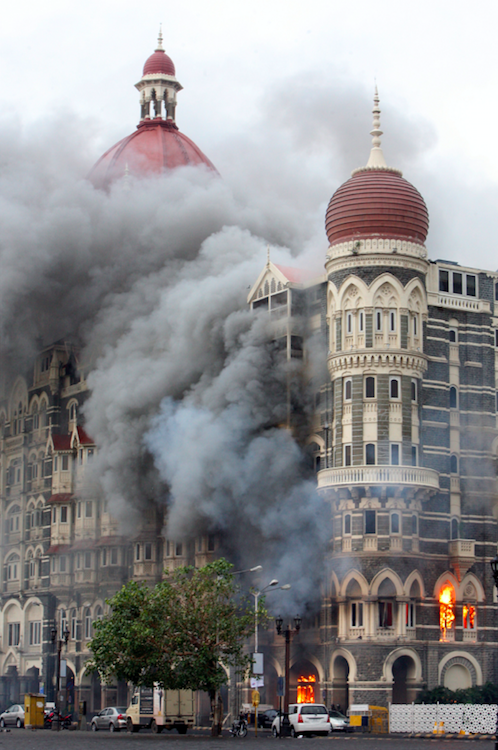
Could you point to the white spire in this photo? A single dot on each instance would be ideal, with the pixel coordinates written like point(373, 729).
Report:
point(376, 156)
point(160, 39)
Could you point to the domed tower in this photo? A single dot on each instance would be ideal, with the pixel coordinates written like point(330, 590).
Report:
point(157, 145)
point(376, 266)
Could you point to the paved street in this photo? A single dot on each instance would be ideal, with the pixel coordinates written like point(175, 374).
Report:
point(45, 740)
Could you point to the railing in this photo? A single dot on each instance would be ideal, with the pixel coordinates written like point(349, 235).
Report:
point(458, 303)
point(370, 542)
point(470, 636)
point(462, 548)
point(346, 544)
point(396, 543)
point(356, 475)
point(356, 633)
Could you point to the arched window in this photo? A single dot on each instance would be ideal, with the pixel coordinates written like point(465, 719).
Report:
point(414, 525)
point(453, 335)
point(394, 388)
point(347, 523)
point(13, 567)
point(99, 614)
point(87, 620)
point(453, 398)
point(36, 419)
point(74, 625)
point(454, 528)
point(369, 387)
point(348, 389)
point(370, 453)
point(454, 464)
point(395, 526)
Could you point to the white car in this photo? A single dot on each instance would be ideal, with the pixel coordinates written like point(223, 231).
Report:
point(305, 719)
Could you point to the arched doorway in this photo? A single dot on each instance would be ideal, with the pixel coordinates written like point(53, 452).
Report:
point(404, 672)
point(340, 683)
point(304, 683)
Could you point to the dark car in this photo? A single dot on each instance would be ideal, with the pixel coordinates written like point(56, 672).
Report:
point(265, 718)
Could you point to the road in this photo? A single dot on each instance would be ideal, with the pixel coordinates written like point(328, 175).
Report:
point(23, 739)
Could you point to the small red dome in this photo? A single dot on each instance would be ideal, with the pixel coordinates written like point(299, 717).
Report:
point(159, 62)
point(377, 203)
point(156, 146)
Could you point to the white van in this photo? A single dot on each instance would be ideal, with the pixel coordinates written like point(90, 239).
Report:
point(160, 709)
point(305, 718)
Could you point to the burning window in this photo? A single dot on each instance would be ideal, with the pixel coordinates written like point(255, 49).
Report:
point(469, 617)
point(306, 688)
point(447, 612)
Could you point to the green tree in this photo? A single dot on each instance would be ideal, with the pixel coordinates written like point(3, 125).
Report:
point(178, 633)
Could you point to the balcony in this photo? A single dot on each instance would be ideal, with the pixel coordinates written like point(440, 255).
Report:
point(404, 476)
point(462, 556)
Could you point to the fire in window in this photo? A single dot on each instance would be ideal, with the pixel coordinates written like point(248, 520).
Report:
point(469, 617)
point(446, 612)
point(306, 688)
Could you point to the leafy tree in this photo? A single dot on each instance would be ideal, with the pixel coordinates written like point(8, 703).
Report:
point(487, 693)
point(177, 634)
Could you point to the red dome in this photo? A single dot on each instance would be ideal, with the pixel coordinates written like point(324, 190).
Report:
point(155, 146)
point(159, 62)
point(377, 203)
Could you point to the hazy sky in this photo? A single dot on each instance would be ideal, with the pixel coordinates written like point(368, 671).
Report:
point(286, 81)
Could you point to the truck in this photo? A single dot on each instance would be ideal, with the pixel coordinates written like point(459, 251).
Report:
point(158, 709)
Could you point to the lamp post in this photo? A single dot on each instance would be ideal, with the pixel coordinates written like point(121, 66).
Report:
point(494, 570)
point(256, 595)
point(287, 633)
point(60, 642)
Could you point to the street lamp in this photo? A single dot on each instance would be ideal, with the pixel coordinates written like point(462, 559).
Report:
point(287, 633)
point(60, 641)
point(494, 570)
point(256, 595)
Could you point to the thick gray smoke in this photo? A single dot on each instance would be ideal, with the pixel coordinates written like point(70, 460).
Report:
point(186, 391)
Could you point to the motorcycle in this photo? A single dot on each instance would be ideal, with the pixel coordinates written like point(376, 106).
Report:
point(239, 727)
point(64, 721)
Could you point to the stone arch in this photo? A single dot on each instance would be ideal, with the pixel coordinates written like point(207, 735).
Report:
point(359, 577)
point(334, 584)
point(306, 679)
point(444, 578)
point(414, 576)
point(462, 659)
point(387, 667)
point(470, 579)
point(381, 576)
point(348, 656)
point(386, 291)
point(352, 292)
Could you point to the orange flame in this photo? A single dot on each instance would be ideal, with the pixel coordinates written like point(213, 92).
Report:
point(469, 617)
point(446, 610)
point(306, 688)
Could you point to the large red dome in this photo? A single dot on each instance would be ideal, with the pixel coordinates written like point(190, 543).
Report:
point(156, 146)
point(376, 203)
point(159, 62)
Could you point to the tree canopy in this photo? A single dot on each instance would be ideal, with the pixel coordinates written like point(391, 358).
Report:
point(178, 633)
point(487, 693)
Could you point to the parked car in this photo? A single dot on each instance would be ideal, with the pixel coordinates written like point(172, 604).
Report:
point(113, 719)
point(305, 719)
point(265, 718)
point(13, 716)
point(338, 722)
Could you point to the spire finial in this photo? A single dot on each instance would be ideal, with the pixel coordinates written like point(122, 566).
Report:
point(376, 156)
point(160, 39)
point(268, 256)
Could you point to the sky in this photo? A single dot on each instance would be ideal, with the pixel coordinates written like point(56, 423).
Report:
point(278, 93)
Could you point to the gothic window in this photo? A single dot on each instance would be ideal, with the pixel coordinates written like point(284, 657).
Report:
point(453, 335)
point(361, 321)
point(453, 398)
point(469, 617)
point(347, 524)
point(356, 614)
point(349, 323)
point(74, 625)
point(410, 615)
point(385, 614)
point(414, 455)
point(414, 525)
point(414, 390)
point(14, 633)
point(392, 320)
point(87, 619)
point(454, 464)
point(13, 567)
point(378, 320)
point(454, 528)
